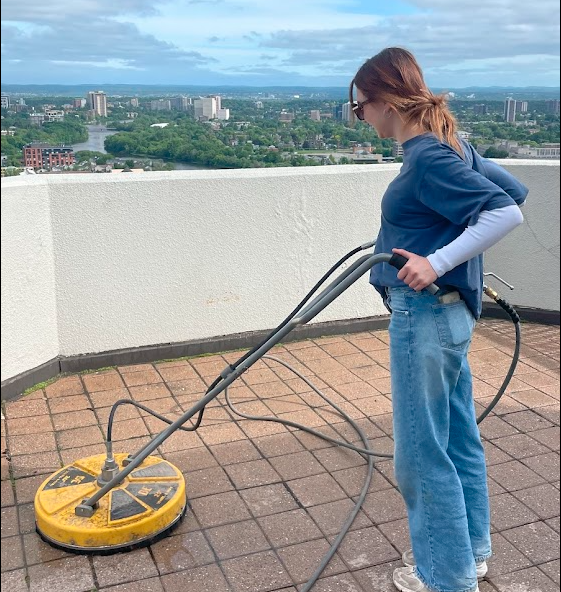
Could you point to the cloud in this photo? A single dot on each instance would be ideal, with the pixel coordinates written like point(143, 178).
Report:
point(460, 43)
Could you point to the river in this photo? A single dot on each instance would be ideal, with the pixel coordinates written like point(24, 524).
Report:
point(96, 143)
point(96, 139)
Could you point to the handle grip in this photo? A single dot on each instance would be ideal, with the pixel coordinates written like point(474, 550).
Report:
point(399, 261)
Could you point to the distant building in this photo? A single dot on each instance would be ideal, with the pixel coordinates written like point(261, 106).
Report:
point(521, 106)
point(134, 102)
point(510, 110)
point(46, 156)
point(464, 135)
point(397, 149)
point(181, 103)
point(132, 115)
point(338, 112)
point(5, 101)
point(79, 103)
point(205, 108)
point(37, 118)
point(553, 106)
point(223, 114)
point(160, 105)
point(480, 109)
point(347, 112)
point(98, 102)
point(259, 104)
point(315, 115)
point(54, 115)
point(286, 117)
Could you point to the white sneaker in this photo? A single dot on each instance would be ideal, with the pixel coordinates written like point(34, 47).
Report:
point(409, 560)
point(405, 580)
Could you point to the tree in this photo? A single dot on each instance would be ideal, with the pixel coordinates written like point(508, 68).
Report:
point(494, 152)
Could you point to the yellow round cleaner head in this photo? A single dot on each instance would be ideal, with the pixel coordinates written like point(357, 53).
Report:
point(142, 509)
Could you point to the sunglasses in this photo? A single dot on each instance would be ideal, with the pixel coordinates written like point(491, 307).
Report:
point(358, 108)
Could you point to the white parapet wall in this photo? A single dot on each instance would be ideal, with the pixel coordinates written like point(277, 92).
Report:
point(95, 263)
point(29, 310)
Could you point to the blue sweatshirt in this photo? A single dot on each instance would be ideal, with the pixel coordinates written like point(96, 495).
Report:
point(436, 195)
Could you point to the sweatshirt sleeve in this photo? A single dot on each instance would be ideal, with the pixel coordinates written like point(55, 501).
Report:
point(453, 189)
point(500, 176)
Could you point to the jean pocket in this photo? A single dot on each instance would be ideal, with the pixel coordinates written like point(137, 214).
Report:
point(400, 320)
point(454, 323)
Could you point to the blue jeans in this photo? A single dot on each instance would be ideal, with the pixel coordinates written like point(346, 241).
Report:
point(439, 457)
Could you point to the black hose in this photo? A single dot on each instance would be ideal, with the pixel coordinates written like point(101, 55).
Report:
point(367, 451)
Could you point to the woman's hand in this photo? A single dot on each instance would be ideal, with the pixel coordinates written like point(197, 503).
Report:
point(418, 272)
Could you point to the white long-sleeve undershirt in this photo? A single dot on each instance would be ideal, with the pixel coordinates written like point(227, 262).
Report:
point(490, 228)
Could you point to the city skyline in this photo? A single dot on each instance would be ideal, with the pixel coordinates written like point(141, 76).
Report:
point(254, 43)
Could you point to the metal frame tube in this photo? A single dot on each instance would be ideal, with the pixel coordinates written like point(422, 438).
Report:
point(328, 295)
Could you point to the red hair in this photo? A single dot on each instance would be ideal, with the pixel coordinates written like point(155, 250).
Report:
point(394, 76)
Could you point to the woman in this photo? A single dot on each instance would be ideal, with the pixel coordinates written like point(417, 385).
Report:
point(444, 209)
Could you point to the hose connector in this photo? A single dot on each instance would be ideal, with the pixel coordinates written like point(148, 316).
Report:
point(506, 306)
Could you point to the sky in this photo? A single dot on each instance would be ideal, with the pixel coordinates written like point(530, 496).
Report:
point(459, 43)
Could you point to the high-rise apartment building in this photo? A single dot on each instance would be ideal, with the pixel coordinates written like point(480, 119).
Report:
point(347, 112)
point(5, 101)
point(553, 106)
point(205, 108)
point(98, 102)
point(315, 115)
point(160, 105)
point(510, 110)
point(181, 103)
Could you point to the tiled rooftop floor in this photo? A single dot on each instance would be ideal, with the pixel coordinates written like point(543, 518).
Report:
point(264, 501)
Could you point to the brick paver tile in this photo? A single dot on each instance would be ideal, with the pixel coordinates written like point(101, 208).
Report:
point(150, 585)
point(312, 491)
point(202, 578)
point(506, 557)
point(72, 574)
point(508, 512)
point(546, 465)
point(103, 381)
point(12, 554)
point(181, 552)
point(118, 569)
point(529, 579)
point(537, 541)
point(543, 500)
point(141, 378)
point(14, 581)
point(64, 387)
point(37, 551)
point(216, 510)
point(269, 499)
point(26, 407)
point(66, 404)
point(296, 466)
point(252, 474)
point(301, 561)
point(514, 476)
point(366, 547)
point(331, 517)
point(236, 540)
point(289, 528)
point(30, 425)
point(262, 572)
